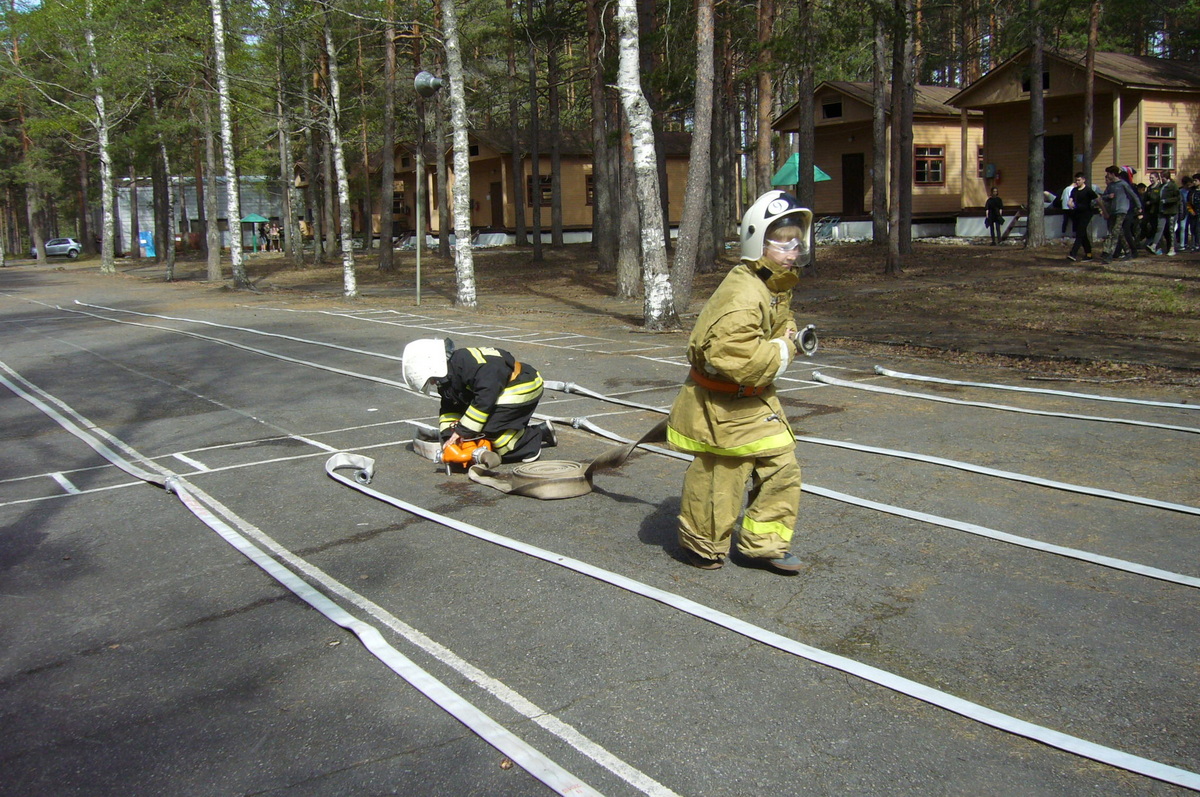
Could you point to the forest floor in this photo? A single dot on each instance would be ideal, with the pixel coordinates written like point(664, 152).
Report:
point(1030, 309)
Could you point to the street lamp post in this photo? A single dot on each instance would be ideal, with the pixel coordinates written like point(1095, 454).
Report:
point(426, 85)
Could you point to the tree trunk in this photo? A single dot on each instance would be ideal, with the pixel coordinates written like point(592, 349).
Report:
point(212, 228)
point(107, 204)
point(629, 254)
point(135, 227)
point(658, 303)
point(86, 237)
point(900, 214)
point(312, 209)
point(553, 75)
point(516, 172)
point(387, 162)
point(763, 165)
point(696, 196)
point(233, 201)
point(879, 149)
point(604, 239)
point(167, 245)
point(806, 145)
point(464, 264)
point(1089, 89)
point(535, 155)
point(1035, 230)
point(201, 191)
point(283, 126)
point(445, 219)
point(333, 121)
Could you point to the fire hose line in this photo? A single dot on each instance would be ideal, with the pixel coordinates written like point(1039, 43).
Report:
point(935, 520)
point(364, 468)
point(1084, 748)
point(879, 369)
point(829, 380)
point(570, 387)
point(520, 752)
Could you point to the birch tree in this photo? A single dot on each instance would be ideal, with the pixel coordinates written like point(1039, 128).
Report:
point(464, 261)
point(333, 122)
point(233, 202)
point(659, 306)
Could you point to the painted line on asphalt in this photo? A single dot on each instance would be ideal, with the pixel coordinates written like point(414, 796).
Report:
point(533, 761)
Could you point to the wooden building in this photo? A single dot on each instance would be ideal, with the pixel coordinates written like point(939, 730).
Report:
point(1147, 115)
point(492, 207)
point(946, 148)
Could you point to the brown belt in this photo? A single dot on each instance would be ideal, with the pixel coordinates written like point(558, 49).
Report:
point(741, 391)
point(516, 372)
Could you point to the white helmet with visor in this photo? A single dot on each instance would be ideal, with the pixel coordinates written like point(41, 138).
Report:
point(770, 211)
point(424, 360)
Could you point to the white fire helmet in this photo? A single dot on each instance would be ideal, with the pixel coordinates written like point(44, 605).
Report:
point(773, 209)
point(424, 360)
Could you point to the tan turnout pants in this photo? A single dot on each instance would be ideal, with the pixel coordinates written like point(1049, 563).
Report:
point(713, 488)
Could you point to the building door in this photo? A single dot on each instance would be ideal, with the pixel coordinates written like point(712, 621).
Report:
point(1060, 167)
point(853, 179)
point(496, 192)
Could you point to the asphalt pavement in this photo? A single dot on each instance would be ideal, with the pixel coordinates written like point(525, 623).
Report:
point(143, 651)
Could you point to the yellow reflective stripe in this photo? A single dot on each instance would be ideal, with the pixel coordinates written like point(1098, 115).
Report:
point(682, 441)
point(473, 420)
point(447, 420)
point(768, 527)
point(505, 439)
point(478, 355)
point(522, 393)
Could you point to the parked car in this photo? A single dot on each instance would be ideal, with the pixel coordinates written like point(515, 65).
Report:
point(60, 247)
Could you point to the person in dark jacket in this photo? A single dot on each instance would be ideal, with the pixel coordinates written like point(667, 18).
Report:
point(486, 393)
point(1168, 209)
point(1081, 205)
point(1122, 204)
point(994, 215)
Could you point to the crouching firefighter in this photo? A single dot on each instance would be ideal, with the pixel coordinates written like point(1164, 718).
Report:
point(727, 413)
point(488, 399)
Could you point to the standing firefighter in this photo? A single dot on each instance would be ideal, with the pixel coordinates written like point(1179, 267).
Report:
point(486, 395)
point(727, 413)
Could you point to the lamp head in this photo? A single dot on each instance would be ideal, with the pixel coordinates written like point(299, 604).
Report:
point(426, 84)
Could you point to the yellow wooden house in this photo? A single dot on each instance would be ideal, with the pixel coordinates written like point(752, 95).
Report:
point(947, 145)
point(492, 203)
point(1146, 115)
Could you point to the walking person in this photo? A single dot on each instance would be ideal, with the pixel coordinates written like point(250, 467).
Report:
point(1081, 205)
point(1120, 201)
point(727, 413)
point(1168, 209)
point(994, 214)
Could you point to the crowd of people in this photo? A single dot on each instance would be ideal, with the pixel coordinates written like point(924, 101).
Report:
point(1156, 218)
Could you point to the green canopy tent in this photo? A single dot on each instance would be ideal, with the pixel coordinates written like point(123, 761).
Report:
point(789, 173)
point(254, 218)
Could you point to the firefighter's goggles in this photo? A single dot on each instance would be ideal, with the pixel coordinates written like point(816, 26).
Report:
point(790, 245)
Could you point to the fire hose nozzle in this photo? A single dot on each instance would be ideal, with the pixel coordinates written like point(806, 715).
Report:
point(806, 340)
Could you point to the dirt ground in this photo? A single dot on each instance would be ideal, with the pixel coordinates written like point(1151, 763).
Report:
point(1033, 310)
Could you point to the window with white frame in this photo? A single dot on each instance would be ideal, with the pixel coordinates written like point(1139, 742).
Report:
point(1160, 146)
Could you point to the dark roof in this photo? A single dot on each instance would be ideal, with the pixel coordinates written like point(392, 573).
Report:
point(1141, 71)
point(929, 100)
point(575, 143)
point(1144, 72)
